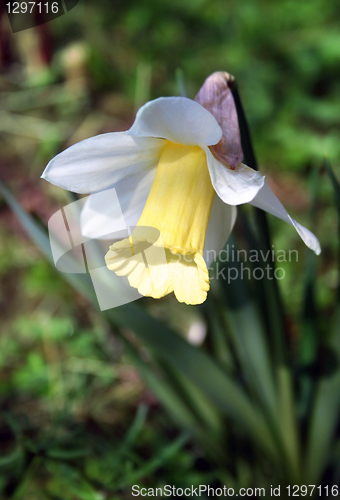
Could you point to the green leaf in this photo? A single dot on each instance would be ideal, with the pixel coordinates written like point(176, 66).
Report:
point(12, 459)
point(324, 419)
point(217, 336)
point(69, 483)
point(205, 413)
point(150, 466)
point(335, 183)
point(245, 330)
point(162, 390)
point(199, 368)
point(273, 313)
point(310, 339)
point(325, 416)
point(137, 426)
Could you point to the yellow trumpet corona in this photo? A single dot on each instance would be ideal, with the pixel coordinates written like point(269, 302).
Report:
point(179, 206)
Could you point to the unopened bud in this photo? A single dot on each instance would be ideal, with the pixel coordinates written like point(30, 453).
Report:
point(215, 95)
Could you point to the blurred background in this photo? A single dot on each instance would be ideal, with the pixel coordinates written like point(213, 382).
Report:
point(91, 404)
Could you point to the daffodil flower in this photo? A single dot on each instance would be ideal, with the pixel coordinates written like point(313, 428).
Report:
point(168, 177)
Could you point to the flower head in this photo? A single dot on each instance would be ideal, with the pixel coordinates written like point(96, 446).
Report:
point(179, 177)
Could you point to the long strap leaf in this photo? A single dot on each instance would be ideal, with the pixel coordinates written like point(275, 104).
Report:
point(327, 399)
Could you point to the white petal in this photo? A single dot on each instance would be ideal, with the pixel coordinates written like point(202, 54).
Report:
point(234, 187)
point(177, 119)
point(97, 163)
point(266, 200)
point(221, 223)
point(103, 212)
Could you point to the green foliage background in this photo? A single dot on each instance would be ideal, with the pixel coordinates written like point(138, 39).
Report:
point(89, 407)
point(285, 56)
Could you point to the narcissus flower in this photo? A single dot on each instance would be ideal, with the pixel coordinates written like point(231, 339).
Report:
point(178, 170)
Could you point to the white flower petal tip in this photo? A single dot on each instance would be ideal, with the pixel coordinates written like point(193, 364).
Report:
point(237, 186)
point(268, 201)
point(177, 119)
point(307, 237)
point(99, 162)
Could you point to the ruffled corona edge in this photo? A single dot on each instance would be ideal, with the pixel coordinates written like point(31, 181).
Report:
point(156, 271)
